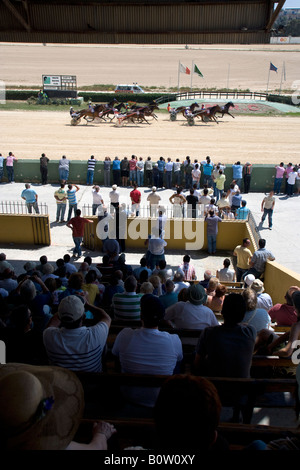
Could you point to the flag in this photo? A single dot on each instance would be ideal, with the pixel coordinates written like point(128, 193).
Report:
point(272, 67)
point(197, 71)
point(184, 69)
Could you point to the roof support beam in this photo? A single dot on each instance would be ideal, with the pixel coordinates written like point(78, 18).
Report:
point(17, 15)
point(275, 14)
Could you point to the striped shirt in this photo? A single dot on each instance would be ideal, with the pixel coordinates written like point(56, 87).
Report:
point(127, 306)
point(91, 164)
point(78, 349)
point(71, 193)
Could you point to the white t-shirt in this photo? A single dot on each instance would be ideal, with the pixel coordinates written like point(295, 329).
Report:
point(292, 177)
point(156, 246)
point(188, 315)
point(169, 166)
point(78, 349)
point(226, 275)
point(114, 196)
point(146, 351)
point(97, 198)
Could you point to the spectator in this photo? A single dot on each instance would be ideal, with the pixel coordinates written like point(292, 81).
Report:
point(135, 196)
point(10, 167)
point(291, 180)
point(188, 269)
point(179, 283)
point(70, 267)
point(215, 302)
point(155, 175)
point(76, 224)
point(116, 171)
point(259, 259)
point(65, 328)
point(161, 170)
point(124, 171)
point(71, 194)
point(8, 281)
point(147, 350)
point(97, 199)
point(243, 255)
point(192, 204)
point(170, 297)
point(156, 249)
point(242, 213)
point(227, 350)
point(143, 267)
point(132, 170)
point(285, 314)
point(178, 200)
point(140, 172)
point(220, 184)
point(264, 300)
point(153, 198)
point(225, 274)
point(280, 170)
point(126, 305)
point(90, 170)
point(30, 196)
point(106, 171)
point(44, 168)
point(212, 222)
point(192, 314)
point(267, 207)
point(4, 263)
point(256, 317)
point(149, 172)
point(63, 169)
point(196, 176)
point(236, 201)
point(61, 202)
point(36, 390)
point(2, 160)
point(206, 277)
point(194, 425)
point(177, 173)
point(223, 203)
point(237, 175)
point(212, 285)
point(247, 171)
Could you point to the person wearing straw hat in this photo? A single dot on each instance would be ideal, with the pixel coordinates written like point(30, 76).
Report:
point(72, 345)
point(264, 300)
point(192, 314)
point(41, 408)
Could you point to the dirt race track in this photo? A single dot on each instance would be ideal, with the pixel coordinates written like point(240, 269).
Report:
point(246, 138)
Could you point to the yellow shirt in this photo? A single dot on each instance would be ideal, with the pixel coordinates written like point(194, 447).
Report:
point(243, 255)
point(92, 290)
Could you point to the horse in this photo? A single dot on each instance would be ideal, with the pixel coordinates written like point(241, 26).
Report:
point(145, 111)
point(183, 109)
point(96, 111)
point(225, 109)
point(111, 110)
point(208, 114)
point(131, 116)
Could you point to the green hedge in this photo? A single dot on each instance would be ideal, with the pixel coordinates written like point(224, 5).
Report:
point(137, 98)
point(281, 99)
point(20, 95)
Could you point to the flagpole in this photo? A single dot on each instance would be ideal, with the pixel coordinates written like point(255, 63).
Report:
point(281, 79)
point(268, 79)
point(228, 77)
point(192, 72)
point(178, 75)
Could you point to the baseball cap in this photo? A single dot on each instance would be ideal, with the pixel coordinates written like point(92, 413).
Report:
point(70, 309)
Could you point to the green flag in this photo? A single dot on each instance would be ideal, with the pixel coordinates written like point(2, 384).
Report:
point(196, 70)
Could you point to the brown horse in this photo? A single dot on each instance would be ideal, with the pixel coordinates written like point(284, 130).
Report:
point(225, 109)
point(184, 110)
point(208, 114)
point(91, 114)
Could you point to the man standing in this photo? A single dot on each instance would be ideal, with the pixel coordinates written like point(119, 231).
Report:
point(212, 221)
point(10, 166)
point(242, 213)
point(169, 171)
point(44, 168)
point(90, 170)
point(267, 207)
point(148, 171)
point(97, 199)
point(259, 259)
point(220, 183)
point(30, 196)
point(153, 198)
point(61, 202)
point(76, 224)
point(237, 173)
point(280, 170)
point(63, 169)
point(247, 170)
point(243, 255)
point(135, 196)
point(71, 193)
point(192, 204)
point(207, 172)
point(1, 167)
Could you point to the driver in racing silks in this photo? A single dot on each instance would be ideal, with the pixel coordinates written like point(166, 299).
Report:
point(91, 107)
point(73, 113)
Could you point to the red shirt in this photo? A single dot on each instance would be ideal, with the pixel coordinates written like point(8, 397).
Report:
point(78, 224)
point(132, 164)
point(283, 314)
point(135, 196)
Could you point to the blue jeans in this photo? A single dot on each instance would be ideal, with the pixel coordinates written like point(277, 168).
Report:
point(31, 205)
point(239, 273)
point(269, 213)
point(219, 193)
point(132, 176)
point(177, 178)
point(207, 179)
point(211, 243)
point(277, 185)
point(215, 189)
point(77, 248)
point(239, 182)
point(1, 173)
point(10, 173)
point(140, 178)
point(63, 174)
point(90, 177)
point(289, 189)
point(60, 211)
point(71, 208)
point(168, 179)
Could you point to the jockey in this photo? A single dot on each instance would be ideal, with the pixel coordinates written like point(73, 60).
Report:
point(91, 106)
point(73, 113)
point(203, 106)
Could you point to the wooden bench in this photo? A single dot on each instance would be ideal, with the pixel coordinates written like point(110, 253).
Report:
point(103, 396)
point(141, 432)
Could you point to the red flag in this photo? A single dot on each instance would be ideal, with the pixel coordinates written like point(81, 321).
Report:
point(184, 69)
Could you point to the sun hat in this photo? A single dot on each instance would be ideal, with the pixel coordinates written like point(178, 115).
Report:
point(258, 286)
point(70, 309)
point(249, 279)
point(154, 188)
point(40, 407)
point(197, 294)
point(114, 186)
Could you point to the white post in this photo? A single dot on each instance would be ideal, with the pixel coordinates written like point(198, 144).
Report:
point(228, 76)
point(268, 80)
point(178, 75)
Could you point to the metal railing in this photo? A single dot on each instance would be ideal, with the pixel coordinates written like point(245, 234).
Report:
point(223, 95)
point(17, 207)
